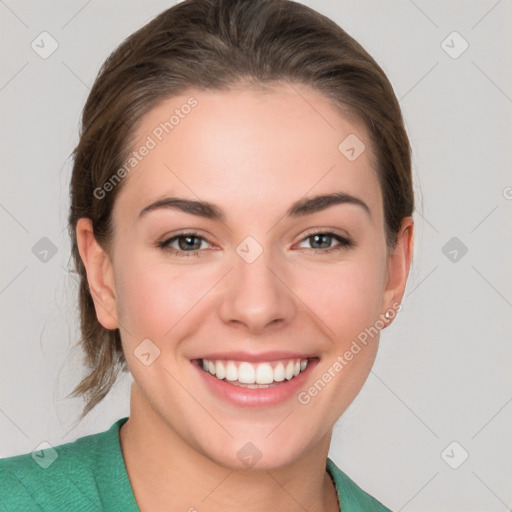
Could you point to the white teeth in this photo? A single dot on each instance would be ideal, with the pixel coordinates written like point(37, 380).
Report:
point(246, 373)
point(253, 376)
point(289, 370)
point(264, 374)
point(231, 371)
point(279, 372)
point(220, 371)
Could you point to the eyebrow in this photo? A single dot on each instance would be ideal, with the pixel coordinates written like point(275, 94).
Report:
point(300, 208)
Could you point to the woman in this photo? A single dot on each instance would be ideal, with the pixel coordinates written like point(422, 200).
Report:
point(241, 205)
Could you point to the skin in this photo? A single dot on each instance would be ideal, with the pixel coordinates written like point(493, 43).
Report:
point(253, 154)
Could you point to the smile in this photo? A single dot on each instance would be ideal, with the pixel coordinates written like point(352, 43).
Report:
point(254, 375)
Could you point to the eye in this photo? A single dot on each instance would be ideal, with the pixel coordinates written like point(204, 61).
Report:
point(321, 241)
point(192, 244)
point(184, 244)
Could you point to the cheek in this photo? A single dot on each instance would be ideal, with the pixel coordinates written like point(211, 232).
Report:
point(347, 298)
point(154, 297)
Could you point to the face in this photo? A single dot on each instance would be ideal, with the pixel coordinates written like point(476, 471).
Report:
point(245, 275)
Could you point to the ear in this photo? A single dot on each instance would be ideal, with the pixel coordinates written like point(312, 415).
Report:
point(399, 263)
point(100, 275)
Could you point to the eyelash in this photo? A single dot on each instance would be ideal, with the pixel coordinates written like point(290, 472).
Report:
point(344, 243)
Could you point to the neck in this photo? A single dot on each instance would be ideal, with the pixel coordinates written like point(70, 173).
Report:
point(164, 469)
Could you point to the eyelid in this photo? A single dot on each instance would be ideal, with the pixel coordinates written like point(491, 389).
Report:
point(309, 232)
point(326, 230)
point(165, 243)
point(344, 240)
point(185, 233)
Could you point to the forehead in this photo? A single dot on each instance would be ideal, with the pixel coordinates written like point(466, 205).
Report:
point(270, 145)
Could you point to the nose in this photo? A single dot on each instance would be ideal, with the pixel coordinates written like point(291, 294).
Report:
point(257, 296)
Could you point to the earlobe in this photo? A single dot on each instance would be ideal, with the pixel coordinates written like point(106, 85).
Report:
point(99, 274)
point(399, 264)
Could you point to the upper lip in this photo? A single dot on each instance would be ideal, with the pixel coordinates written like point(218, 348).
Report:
point(255, 357)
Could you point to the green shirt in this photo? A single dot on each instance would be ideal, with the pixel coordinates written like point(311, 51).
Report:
point(89, 474)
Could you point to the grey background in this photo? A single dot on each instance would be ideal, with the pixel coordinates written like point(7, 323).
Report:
point(443, 369)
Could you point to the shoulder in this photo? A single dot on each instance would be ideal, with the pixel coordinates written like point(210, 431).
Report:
point(352, 498)
point(58, 476)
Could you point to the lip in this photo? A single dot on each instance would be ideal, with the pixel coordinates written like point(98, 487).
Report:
point(264, 397)
point(253, 357)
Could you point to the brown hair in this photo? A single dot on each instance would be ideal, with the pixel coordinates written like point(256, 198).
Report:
point(215, 44)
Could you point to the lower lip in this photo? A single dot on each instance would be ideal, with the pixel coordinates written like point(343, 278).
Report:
point(261, 397)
